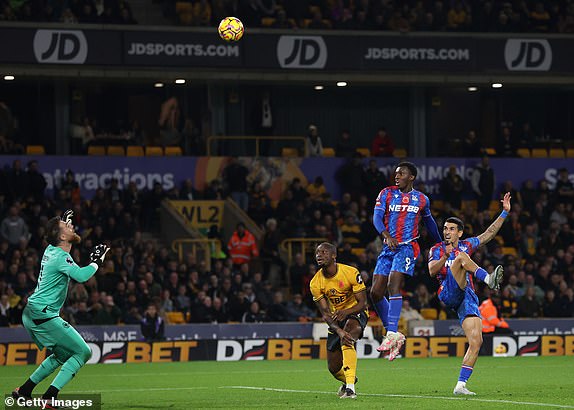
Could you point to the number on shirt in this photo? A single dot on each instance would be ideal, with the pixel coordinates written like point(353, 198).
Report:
point(407, 263)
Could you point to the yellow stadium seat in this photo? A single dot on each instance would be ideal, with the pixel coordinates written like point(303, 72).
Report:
point(557, 153)
point(509, 250)
point(173, 151)
point(429, 313)
point(183, 7)
point(523, 152)
point(539, 153)
point(358, 251)
point(96, 150)
point(267, 21)
point(328, 152)
point(490, 151)
point(175, 317)
point(153, 151)
point(289, 152)
point(35, 150)
point(400, 153)
point(116, 150)
point(365, 152)
point(135, 151)
point(570, 153)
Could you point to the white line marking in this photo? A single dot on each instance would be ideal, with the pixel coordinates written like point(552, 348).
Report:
point(136, 390)
point(405, 396)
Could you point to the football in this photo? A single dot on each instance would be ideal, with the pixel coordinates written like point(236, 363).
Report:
point(230, 29)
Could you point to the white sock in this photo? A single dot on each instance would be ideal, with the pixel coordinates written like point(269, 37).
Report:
point(351, 386)
point(460, 385)
point(391, 334)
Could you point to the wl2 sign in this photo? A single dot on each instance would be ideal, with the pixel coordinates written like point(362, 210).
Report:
point(200, 214)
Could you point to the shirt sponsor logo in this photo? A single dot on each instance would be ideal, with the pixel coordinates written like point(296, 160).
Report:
point(403, 208)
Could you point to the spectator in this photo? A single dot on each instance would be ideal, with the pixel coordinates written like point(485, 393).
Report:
point(506, 146)
point(242, 246)
point(374, 180)
point(107, 313)
point(382, 145)
point(5, 311)
point(408, 313)
point(254, 314)
point(317, 189)
point(296, 272)
point(528, 306)
point(564, 187)
point(313, 144)
point(483, 183)
point(36, 180)
point(152, 325)
point(491, 321)
point(451, 188)
point(277, 311)
point(270, 249)
point(297, 311)
point(345, 146)
point(235, 176)
point(471, 145)
point(13, 228)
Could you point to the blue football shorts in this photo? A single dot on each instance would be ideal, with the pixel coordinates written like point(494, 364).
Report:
point(463, 302)
point(400, 260)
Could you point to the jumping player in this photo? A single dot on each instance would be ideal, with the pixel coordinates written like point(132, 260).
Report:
point(398, 211)
point(450, 262)
point(341, 298)
point(41, 315)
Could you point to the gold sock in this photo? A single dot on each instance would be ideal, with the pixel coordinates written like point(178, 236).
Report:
point(349, 363)
point(340, 375)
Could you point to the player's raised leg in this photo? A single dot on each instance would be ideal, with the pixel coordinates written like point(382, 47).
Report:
point(463, 263)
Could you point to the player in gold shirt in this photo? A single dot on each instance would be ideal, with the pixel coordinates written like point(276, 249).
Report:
point(341, 298)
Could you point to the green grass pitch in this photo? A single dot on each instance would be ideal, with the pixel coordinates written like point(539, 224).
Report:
point(501, 383)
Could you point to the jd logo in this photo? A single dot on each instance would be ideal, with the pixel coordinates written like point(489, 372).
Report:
point(60, 46)
point(301, 52)
point(528, 55)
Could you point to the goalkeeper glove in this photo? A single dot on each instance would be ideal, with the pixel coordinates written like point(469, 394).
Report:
point(98, 254)
point(67, 216)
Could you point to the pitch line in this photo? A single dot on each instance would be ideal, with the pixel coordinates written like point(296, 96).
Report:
point(138, 390)
point(405, 396)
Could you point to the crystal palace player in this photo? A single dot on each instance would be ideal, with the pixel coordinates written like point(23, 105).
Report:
point(398, 211)
point(341, 298)
point(41, 317)
point(451, 263)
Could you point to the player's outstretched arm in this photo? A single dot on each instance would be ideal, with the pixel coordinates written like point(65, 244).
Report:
point(432, 227)
point(97, 257)
point(494, 227)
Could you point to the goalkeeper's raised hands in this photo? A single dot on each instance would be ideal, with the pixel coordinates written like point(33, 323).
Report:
point(98, 254)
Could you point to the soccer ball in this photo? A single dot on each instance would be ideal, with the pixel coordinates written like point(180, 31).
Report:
point(231, 29)
point(500, 349)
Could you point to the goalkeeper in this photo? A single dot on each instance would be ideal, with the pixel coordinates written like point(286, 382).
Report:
point(41, 315)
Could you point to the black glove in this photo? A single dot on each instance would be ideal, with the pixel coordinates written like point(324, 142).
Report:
point(98, 254)
point(67, 216)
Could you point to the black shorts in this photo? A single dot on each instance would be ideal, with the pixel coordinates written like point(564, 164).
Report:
point(333, 339)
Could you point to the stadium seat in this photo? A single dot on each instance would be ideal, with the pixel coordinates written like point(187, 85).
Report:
point(400, 153)
point(570, 153)
point(116, 150)
point(523, 152)
point(96, 150)
point(267, 21)
point(35, 150)
point(289, 152)
point(557, 153)
point(175, 317)
point(154, 151)
point(173, 151)
point(490, 151)
point(429, 313)
point(183, 7)
point(328, 152)
point(365, 152)
point(539, 153)
point(135, 151)
point(509, 250)
point(358, 251)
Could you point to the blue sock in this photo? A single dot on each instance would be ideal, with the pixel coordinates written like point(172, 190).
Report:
point(465, 373)
point(480, 274)
point(396, 304)
point(382, 308)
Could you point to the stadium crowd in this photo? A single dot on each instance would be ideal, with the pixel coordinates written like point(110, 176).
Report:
point(141, 276)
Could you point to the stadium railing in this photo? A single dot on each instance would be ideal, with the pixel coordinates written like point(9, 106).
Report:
point(200, 248)
point(256, 139)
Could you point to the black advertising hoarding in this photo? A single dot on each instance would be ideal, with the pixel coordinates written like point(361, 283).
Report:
point(60, 46)
point(179, 49)
point(296, 51)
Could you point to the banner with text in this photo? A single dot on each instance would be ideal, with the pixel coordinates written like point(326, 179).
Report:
point(327, 51)
point(274, 174)
point(200, 214)
point(290, 349)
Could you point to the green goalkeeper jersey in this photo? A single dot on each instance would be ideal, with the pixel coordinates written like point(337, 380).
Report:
point(55, 272)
